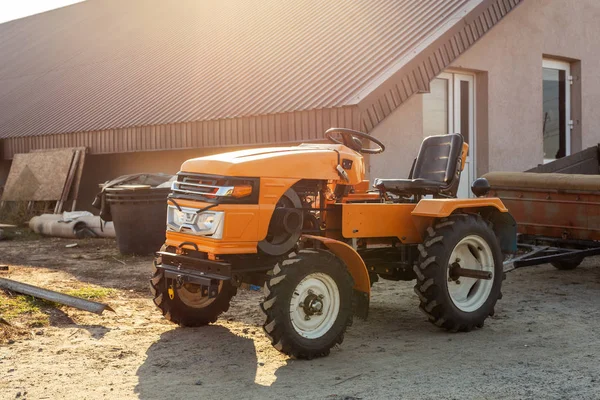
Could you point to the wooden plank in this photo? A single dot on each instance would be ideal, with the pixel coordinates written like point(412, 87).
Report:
point(38, 176)
point(69, 182)
point(78, 179)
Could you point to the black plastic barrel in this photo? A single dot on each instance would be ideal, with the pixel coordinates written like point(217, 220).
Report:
point(139, 217)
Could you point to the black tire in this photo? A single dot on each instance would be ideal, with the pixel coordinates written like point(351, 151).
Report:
point(178, 312)
point(567, 264)
point(280, 289)
point(433, 282)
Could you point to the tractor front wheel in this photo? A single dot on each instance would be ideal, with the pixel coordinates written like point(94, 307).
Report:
point(185, 304)
point(308, 304)
point(460, 272)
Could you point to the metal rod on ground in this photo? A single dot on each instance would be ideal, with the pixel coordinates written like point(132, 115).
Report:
point(56, 297)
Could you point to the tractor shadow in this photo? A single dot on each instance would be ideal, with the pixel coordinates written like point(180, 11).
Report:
point(216, 362)
point(391, 353)
point(206, 362)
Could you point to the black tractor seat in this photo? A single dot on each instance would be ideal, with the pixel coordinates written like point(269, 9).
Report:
point(436, 170)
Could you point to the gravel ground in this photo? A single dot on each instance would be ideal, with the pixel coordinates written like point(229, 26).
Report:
point(543, 341)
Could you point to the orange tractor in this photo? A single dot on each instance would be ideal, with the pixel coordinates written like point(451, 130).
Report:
point(302, 222)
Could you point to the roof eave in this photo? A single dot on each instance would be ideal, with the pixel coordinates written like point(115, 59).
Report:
point(412, 75)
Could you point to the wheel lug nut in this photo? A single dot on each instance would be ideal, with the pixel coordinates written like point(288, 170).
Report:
point(306, 317)
point(320, 296)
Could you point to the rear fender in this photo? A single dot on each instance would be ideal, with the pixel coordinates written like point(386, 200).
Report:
point(505, 228)
point(490, 208)
point(440, 208)
point(355, 266)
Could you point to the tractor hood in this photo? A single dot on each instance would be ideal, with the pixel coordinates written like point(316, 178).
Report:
point(306, 161)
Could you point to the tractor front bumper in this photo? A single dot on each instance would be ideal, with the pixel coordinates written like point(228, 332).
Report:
point(185, 269)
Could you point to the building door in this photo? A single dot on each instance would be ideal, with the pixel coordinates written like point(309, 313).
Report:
point(449, 107)
point(556, 114)
point(464, 124)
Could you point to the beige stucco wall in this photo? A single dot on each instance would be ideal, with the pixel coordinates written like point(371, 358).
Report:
point(508, 59)
point(512, 54)
point(401, 133)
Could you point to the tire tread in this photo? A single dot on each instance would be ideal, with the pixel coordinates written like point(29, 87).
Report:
point(428, 286)
point(277, 285)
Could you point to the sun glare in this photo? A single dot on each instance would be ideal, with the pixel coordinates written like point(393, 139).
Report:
point(10, 9)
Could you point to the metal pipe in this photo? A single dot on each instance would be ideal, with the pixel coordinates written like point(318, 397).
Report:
point(56, 297)
point(456, 271)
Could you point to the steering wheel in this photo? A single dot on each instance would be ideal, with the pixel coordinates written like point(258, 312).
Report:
point(352, 139)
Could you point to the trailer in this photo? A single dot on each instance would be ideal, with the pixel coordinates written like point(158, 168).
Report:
point(557, 214)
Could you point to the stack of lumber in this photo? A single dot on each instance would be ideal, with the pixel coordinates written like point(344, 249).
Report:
point(49, 176)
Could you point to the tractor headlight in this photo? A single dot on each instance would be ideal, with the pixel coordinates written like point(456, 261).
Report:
point(206, 221)
point(187, 220)
point(178, 216)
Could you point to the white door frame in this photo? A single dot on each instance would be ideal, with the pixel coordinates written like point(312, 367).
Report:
point(454, 116)
point(471, 158)
point(450, 96)
point(563, 66)
point(453, 79)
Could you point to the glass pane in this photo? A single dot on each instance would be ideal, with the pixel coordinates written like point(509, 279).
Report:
point(464, 110)
point(435, 108)
point(554, 123)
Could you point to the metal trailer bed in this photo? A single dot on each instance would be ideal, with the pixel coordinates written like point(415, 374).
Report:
point(557, 214)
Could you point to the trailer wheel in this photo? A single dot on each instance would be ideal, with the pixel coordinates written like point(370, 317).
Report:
point(186, 305)
point(567, 264)
point(452, 302)
point(308, 304)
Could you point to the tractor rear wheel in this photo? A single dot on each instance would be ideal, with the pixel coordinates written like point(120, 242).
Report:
point(308, 304)
point(450, 301)
point(185, 304)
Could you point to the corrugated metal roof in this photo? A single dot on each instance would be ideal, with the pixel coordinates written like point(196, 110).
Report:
point(109, 64)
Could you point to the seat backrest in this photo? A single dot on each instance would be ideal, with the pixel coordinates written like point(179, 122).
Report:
point(439, 159)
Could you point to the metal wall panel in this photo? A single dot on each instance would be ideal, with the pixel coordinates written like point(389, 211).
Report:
point(299, 126)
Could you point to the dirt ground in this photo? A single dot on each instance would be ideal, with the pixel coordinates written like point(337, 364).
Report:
point(543, 342)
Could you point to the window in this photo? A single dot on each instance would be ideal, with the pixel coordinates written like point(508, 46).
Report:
point(556, 110)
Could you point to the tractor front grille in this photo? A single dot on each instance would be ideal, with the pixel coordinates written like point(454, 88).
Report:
point(212, 188)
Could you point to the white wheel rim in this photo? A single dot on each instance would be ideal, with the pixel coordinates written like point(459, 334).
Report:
point(190, 295)
point(469, 294)
point(317, 289)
